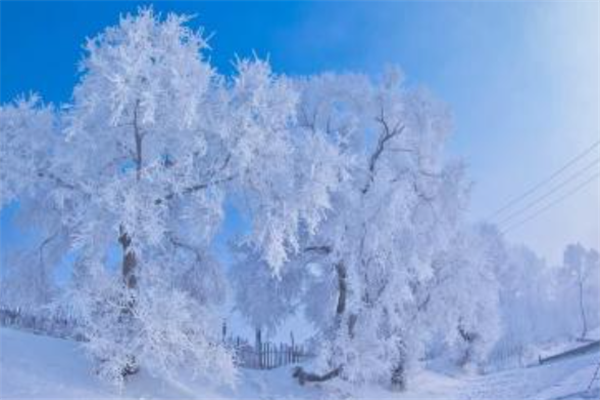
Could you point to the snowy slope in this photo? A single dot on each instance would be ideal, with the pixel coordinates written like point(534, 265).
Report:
point(38, 367)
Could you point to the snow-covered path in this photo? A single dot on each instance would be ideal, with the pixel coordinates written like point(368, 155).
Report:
point(551, 381)
point(37, 367)
point(567, 379)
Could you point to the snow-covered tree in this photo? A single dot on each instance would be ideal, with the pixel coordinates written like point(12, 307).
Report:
point(460, 305)
point(30, 132)
point(541, 303)
point(526, 299)
point(580, 284)
point(399, 210)
point(139, 165)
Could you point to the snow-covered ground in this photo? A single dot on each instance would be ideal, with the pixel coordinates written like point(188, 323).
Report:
point(37, 367)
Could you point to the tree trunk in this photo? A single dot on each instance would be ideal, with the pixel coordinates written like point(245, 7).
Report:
point(582, 311)
point(470, 338)
point(128, 270)
point(129, 261)
point(342, 277)
point(258, 346)
point(304, 376)
point(398, 380)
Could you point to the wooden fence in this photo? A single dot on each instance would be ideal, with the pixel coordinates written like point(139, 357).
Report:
point(55, 325)
point(267, 355)
point(506, 354)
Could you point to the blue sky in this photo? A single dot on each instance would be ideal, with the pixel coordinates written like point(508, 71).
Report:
point(521, 78)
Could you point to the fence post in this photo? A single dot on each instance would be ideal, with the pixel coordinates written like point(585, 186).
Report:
point(259, 346)
point(282, 361)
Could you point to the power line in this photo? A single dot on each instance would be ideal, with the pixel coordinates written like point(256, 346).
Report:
point(553, 190)
point(541, 210)
point(550, 178)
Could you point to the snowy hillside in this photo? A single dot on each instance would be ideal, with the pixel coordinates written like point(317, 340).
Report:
point(38, 367)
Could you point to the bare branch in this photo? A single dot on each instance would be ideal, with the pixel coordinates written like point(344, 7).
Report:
point(306, 122)
point(304, 376)
point(177, 243)
point(203, 185)
point(58, 181)
point(138, 137)
point(195, 188)
point(386, 135)
point(325, 249)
